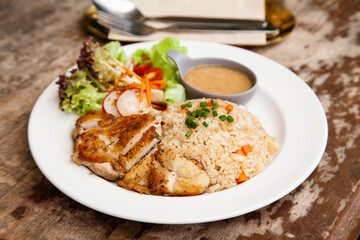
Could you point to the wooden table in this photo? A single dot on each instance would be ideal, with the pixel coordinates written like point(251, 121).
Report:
point(40, 39)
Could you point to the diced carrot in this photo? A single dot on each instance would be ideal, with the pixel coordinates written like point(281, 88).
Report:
point(242, 178)
point(246, 149)
point(147, 91)
point(210, 104)
point(229, 107)
point(182, 111)
point(240, 151)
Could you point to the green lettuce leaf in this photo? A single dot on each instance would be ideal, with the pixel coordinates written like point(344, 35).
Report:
point(159, 58)
point(174, 92)
point(99, 67)
point(142, 57)
point(99, 64)
point(77, 93)
point(114, 48)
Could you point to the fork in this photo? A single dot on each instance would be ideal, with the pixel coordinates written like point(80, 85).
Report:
point(142, 29)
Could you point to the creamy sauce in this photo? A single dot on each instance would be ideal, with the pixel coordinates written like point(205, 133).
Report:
point(218, 79)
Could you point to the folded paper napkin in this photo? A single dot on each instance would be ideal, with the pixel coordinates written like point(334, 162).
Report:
point(232, 9)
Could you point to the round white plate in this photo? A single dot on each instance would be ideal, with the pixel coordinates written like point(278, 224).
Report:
point(286, 106)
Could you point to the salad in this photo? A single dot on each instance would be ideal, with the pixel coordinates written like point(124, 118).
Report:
point(108, 80)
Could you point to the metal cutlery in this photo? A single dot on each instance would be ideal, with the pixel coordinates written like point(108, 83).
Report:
point(127, 10)
point(142, 29)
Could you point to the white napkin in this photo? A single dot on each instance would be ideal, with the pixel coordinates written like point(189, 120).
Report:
point(232, 9)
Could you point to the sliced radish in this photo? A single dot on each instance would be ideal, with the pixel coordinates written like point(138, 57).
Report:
point(109, 103)
point(128, 103)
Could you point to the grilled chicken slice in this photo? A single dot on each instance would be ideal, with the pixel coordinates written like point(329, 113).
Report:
point(130, 130)
point(100, 140)
point(93, 149)
point(105, 170)
point(91, 120)
point(140, 149)
point(138, 177)
point(175, 175)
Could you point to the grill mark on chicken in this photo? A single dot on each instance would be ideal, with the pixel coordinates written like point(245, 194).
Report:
point(138, 177)
point(100, 140)
point(131, 130)
point(94, 146)
point(139, 150)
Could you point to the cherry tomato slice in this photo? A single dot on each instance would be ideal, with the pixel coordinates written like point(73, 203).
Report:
point(140, 70)
point(154, 73)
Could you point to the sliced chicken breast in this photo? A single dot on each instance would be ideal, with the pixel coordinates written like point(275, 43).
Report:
point(131, 129)
point(94, 150)
point(175, 175)
point(140, 149)
point(100, 140)
point(138, 177)
point(105, 170)
point(91, 120)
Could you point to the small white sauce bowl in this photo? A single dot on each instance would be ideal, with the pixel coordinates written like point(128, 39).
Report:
point(184, 64)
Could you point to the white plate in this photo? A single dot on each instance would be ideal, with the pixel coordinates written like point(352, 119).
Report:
point(286, 106)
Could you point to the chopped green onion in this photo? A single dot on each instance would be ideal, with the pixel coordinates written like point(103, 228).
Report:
point(158, 136)
point(189, 113)
point(230, 119)
point(183, 106)
point(193, 114)
point(205, 114)
point(222, 117)
point(198, 113)
point(188, 134)
point(213, 102)
point(205, 124)
point(206, 109)
point(189, 104)
point(214, 113)
point(214, 107)
point(194, 124)
point(203, 104)
point(228, 111)
point(188, 120)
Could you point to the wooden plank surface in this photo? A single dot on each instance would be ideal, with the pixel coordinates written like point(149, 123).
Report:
point(41, 39)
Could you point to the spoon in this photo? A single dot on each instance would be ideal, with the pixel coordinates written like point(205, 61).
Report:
point(185, 63)
point(128, 10)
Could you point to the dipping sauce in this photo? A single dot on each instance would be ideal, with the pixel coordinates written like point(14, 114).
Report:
point(218, 79)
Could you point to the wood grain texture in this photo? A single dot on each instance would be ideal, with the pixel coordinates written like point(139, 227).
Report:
point(41, 39)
